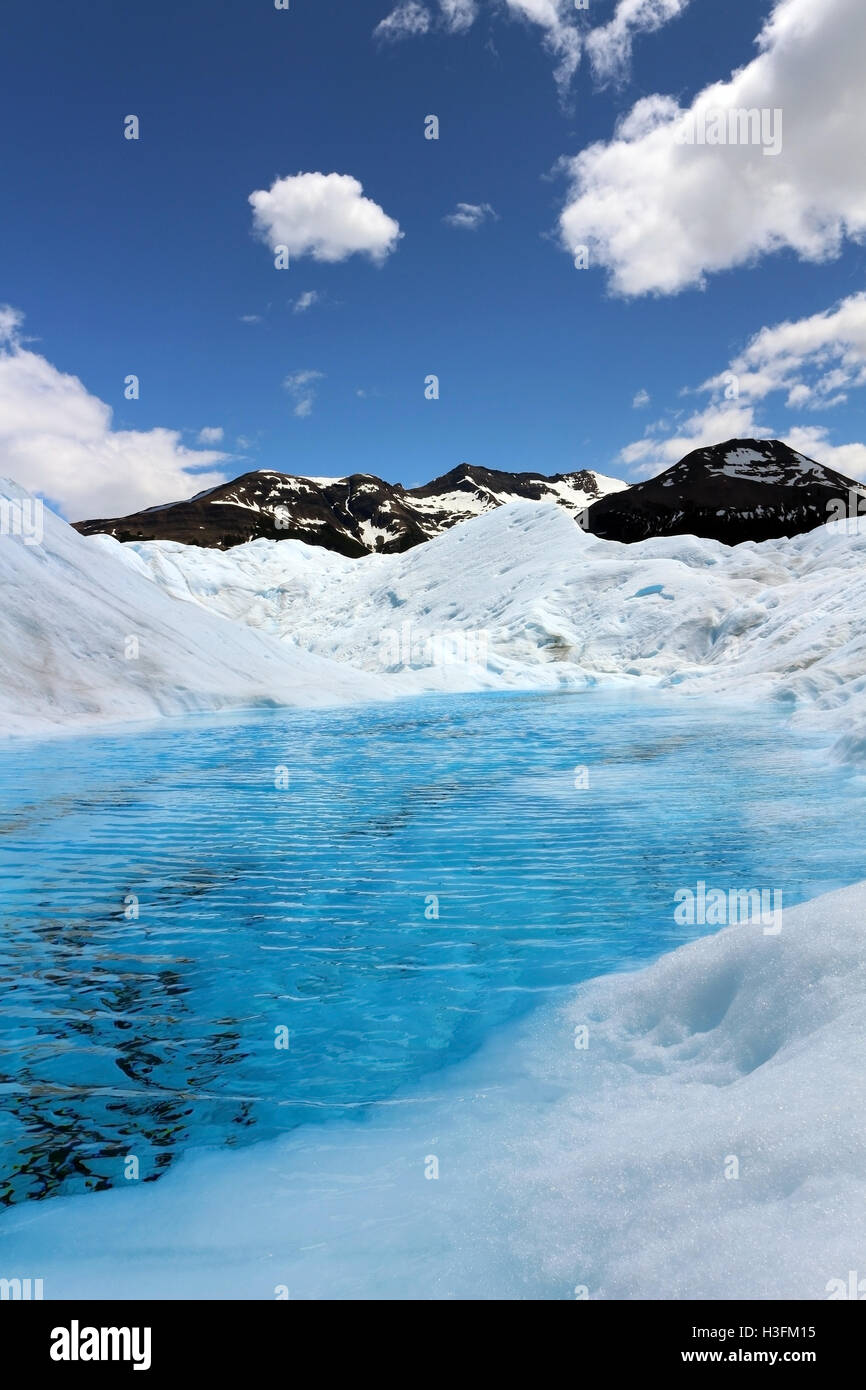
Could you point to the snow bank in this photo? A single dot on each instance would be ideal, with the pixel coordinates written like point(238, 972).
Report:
point(707, 1143)
point(556, 607)
point(85, 637)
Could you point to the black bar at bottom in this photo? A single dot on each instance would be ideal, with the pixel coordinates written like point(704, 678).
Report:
point(169, 1339)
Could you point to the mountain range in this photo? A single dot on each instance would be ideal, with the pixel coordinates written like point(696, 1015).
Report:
point(357, 515)
point(739, 490)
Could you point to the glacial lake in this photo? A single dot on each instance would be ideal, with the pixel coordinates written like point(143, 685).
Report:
point(217, 930)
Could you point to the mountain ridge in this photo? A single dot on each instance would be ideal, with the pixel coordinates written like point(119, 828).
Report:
point(357, 515)
point(738, 490)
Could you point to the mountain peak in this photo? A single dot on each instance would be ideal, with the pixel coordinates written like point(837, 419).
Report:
point(739, 490)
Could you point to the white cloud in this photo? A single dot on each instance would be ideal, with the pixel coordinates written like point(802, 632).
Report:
point(470, 216)
point(563, 28)
point(610, 45)
point(10, 322)
point(57, 439)
point(726, 420)
point(814, 360)
point(406, 21)
point(641, 399)
point(211, 434)
point(251, 318)
point(807, 361)
point(412, 20)
point(324, 216)
point(458, 15)
point(305, 301)
point(556, 18)
point(660, 215)
point(301, 386)
point(813, 441)
point(561, 36)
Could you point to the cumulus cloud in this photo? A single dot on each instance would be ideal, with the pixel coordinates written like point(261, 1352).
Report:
point(814, 441)
point(305, 301)
point(641, 399)
point(660, 215)
point(722, 420)
point(809, 363)
point(325, 216)
point(211, 434)
point(301, 386)
point(57, 440)
point(814, 360)
point(470, 216)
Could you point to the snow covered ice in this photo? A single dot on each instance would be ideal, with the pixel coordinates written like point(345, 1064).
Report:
point(604, 1171)
point(560, 608)
point(85, 639)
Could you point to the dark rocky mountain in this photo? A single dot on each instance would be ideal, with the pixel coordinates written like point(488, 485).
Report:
point(355, 515)
point(742, 490)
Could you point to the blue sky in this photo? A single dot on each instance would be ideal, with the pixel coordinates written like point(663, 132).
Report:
point(141, 256)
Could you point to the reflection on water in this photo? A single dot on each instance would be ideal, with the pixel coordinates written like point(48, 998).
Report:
point(168, 908)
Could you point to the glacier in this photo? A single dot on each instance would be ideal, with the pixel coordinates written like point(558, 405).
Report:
point(559, 608)
point(85, 640)
point(707, 1143)
point(547, 606)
